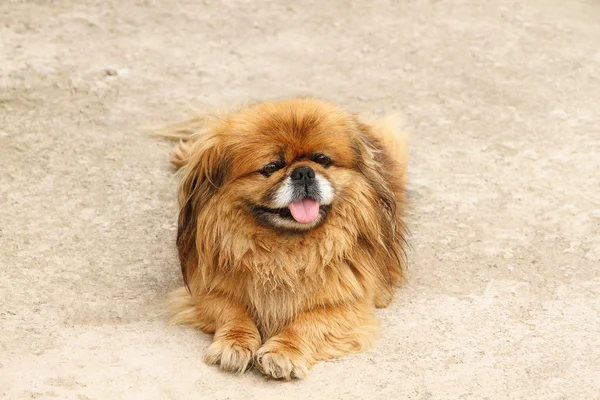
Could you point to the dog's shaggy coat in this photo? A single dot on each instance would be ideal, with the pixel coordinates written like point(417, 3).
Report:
point(277, 296)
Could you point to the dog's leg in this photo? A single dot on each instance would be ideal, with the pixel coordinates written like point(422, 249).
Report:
point(326, 333)
point(236, 337)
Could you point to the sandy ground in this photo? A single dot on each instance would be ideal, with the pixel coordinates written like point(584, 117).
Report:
point(503, 101)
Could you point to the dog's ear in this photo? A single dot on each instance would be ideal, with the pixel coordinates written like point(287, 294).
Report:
point(203, 176)
point(382, 166)
point(374, 163)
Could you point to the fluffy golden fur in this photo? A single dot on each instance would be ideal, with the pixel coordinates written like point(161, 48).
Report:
point(277, 293)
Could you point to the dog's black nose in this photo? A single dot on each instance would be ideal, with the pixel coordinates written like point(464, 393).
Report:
point(303, 173)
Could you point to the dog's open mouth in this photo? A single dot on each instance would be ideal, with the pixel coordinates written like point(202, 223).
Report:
point(303, 212)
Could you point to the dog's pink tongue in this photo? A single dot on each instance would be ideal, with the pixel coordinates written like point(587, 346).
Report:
point(304, 211)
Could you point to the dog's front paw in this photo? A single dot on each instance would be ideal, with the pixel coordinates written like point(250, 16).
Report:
point(280, 362)
point(232, 354)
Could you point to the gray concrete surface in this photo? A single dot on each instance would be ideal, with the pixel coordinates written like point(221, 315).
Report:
point(503, 101)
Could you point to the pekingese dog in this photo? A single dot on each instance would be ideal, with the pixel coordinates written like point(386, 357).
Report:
point(290, 232)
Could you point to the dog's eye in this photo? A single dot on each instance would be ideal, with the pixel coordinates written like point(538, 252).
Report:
point(322, 159)
point(269, 168)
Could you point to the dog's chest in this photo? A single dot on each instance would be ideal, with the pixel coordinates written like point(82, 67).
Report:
point(275, 299)
point(282, 284)
point(272, 311)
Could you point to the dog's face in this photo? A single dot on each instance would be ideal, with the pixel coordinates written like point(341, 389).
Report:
point(287, 166)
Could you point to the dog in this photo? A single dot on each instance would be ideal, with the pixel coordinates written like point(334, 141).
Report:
point(290, 232)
